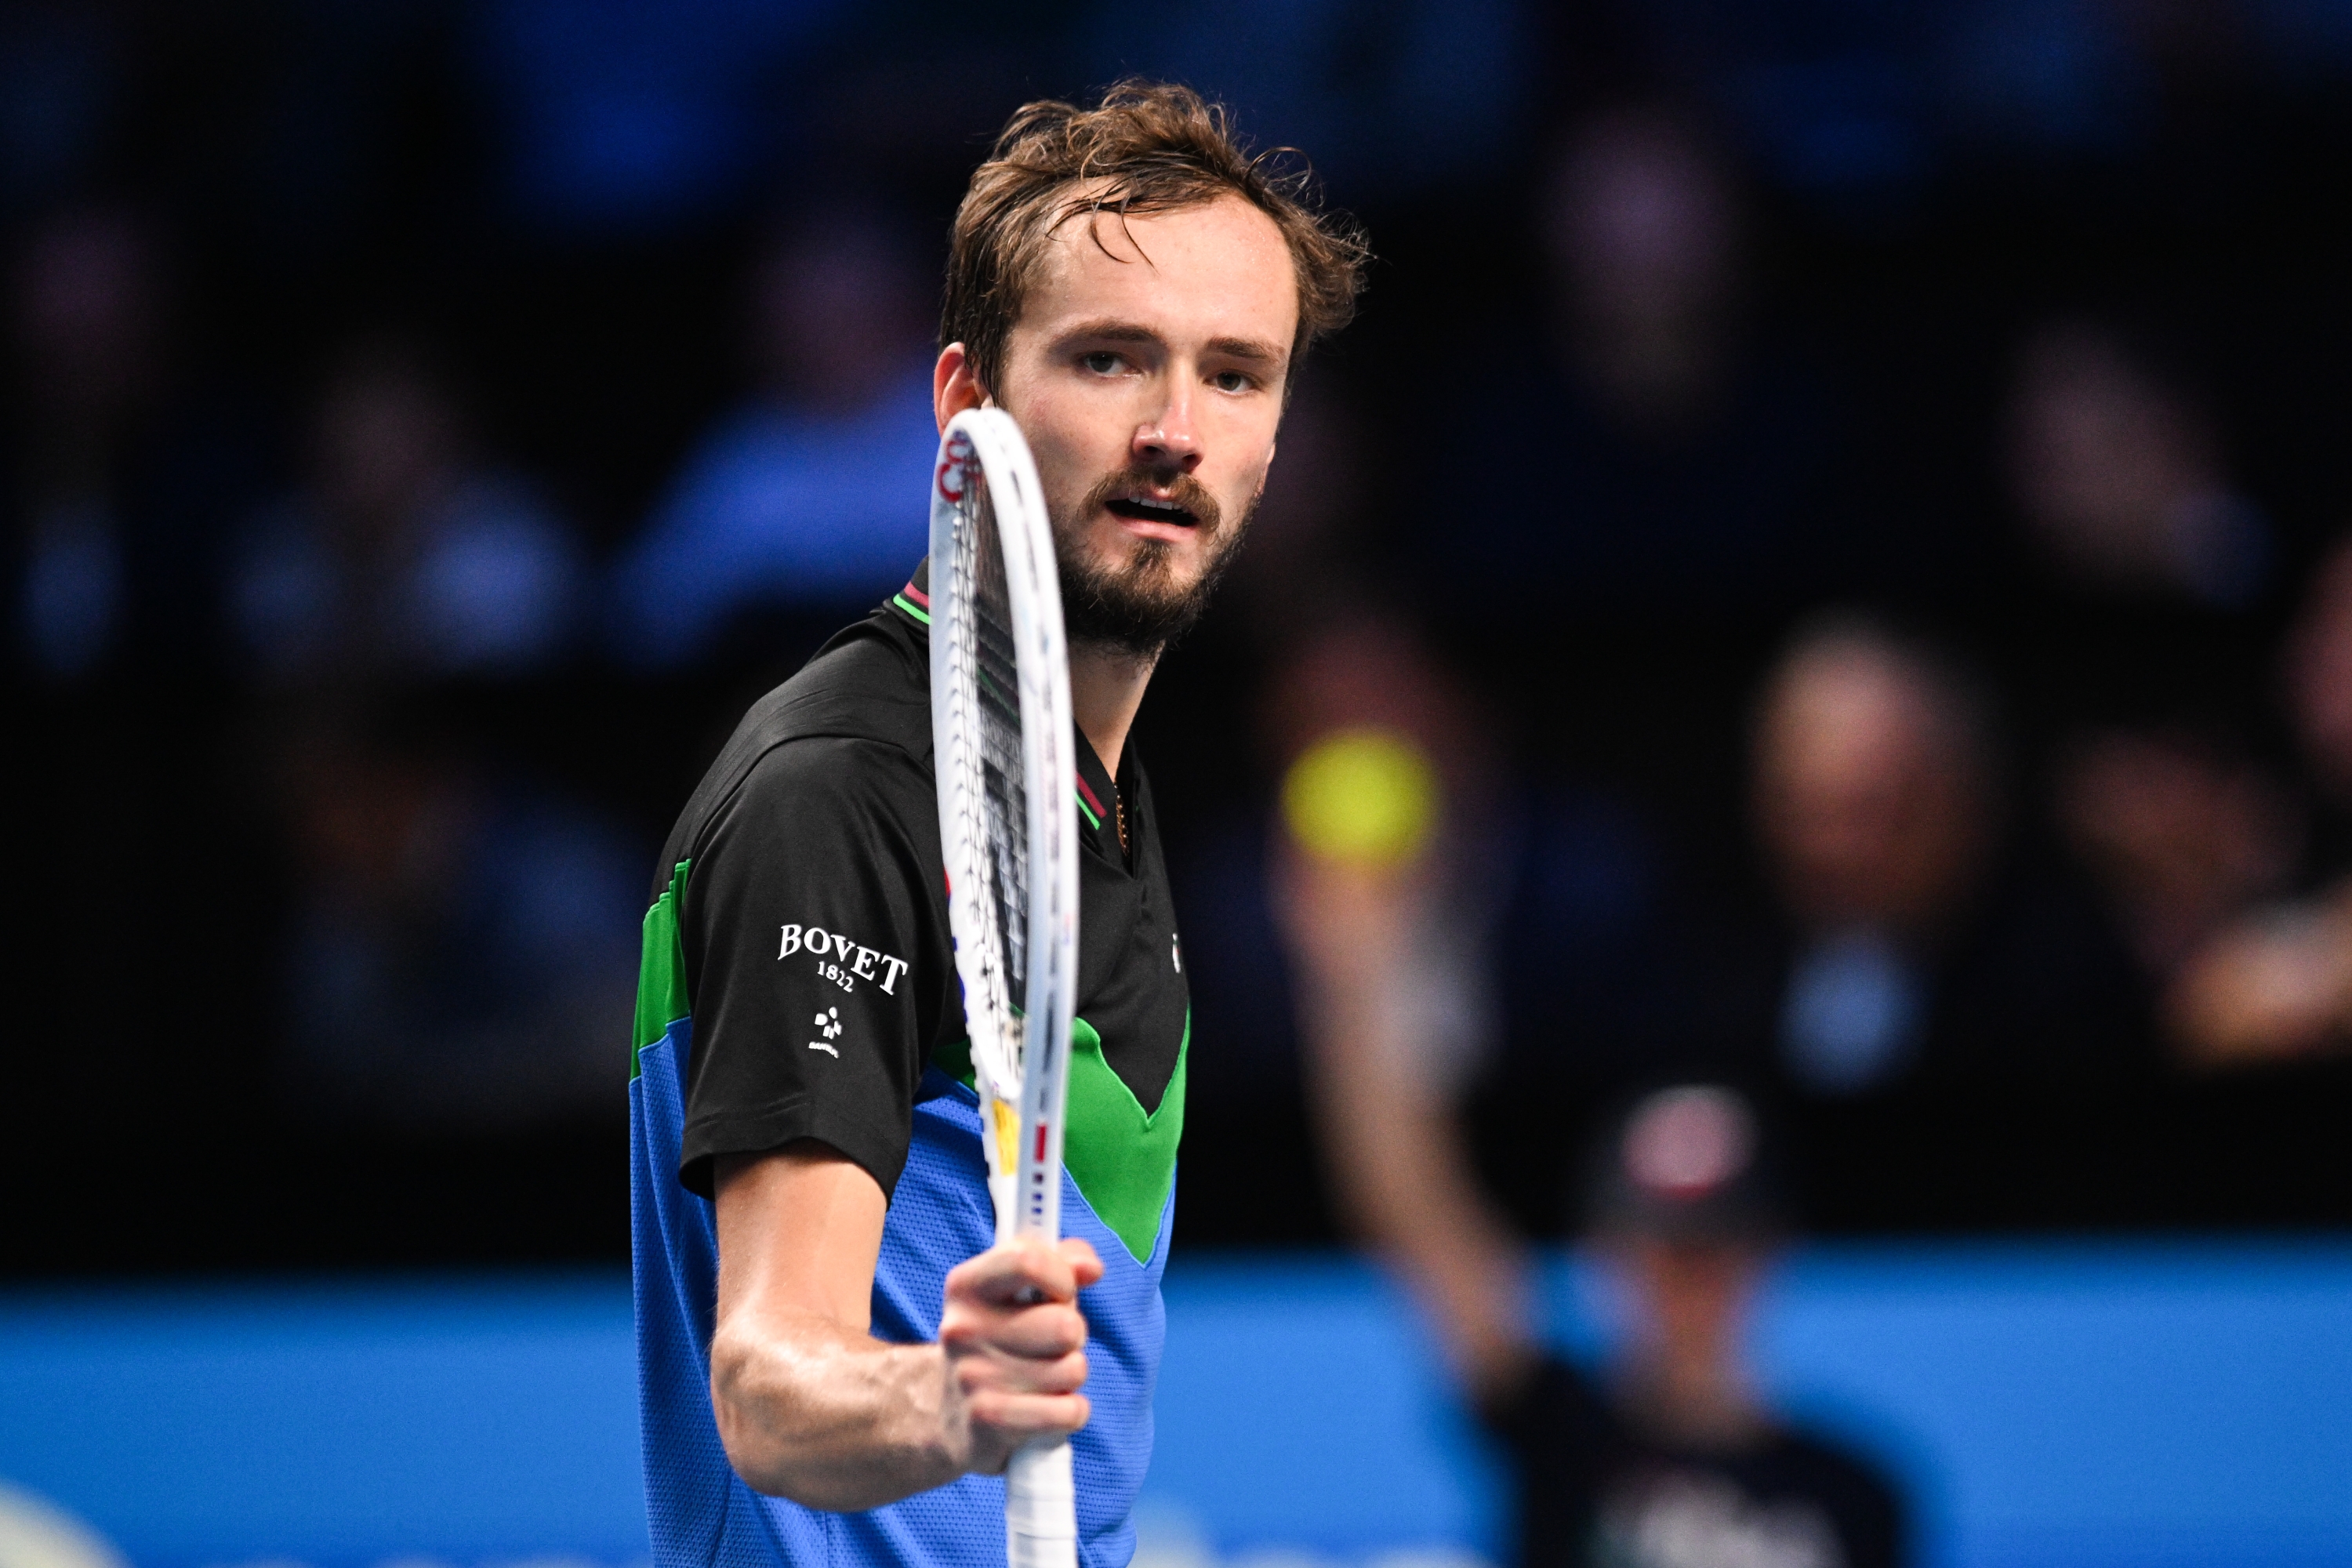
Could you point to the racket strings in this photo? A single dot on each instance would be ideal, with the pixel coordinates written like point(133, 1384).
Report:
point(987, 681)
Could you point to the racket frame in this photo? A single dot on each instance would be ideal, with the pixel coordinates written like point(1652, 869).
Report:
point(981, 452)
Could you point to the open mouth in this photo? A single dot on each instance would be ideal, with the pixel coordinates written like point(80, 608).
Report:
point(1145, 509)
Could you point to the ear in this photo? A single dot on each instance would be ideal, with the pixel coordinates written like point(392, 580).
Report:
point(1263, 475)
point(954, 388)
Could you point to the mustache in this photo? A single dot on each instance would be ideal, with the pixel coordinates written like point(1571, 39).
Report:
point(1182, 488)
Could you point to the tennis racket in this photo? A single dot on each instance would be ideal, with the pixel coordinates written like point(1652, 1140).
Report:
point(1001, 743)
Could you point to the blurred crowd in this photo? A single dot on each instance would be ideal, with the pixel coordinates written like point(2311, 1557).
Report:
point(1826, 566)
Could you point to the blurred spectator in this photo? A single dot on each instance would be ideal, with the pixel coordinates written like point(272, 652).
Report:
point(116, 471)
point(810, 494)
point(1561, 942)
point(1913, 943)
point(121, 462)
point(1390, 774)
point(462, 942)
point(2184, 830)
point(1873, 797)
point(2276, 981)
point(1656, 451)
point(2137, 599)
point(1644, 232)
point(1380, 908)
point(457, 947)
point(2141, 641)
point(2319, 677)
point(2119, 474)
point(85, 326)
point(403, 558)
point(1675, 1459)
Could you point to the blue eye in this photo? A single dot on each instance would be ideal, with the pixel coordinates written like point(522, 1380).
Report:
point(1101, 363)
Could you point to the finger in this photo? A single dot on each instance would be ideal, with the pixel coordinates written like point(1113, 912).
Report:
point(1014, 1274)
point(1021, 1416)
point(981, 1375)
point(1044, 1331)
point(1039, 1333)
point(1085, 1265)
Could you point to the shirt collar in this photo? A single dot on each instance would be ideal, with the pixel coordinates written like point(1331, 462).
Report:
point(1097, 795)
point(914, 600)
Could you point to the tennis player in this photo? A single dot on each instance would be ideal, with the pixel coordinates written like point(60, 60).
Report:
point(834, 1361)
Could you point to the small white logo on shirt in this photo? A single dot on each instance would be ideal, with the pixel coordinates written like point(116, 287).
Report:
point(1175, 953)
point(1702, 1521)
point(842, 961)
point(828, 1024)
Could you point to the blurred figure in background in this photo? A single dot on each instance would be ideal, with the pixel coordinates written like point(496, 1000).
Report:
point(1915, 943)
point(805, 497)
point(459, 951)
point(404, 557)
point(83, 313)
point(120, 466)
point(2275, 980)
point(117, 471)
point(1674, 1461)
point(1387, 922)
point(1673, 1458)
point(2142, 641)
point(458, 933)
point(2118, 470)
point(2184, 828)
point(1645, 237)
point(1642, 446)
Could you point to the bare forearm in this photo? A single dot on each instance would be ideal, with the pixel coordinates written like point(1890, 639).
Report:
point(1406, 1172)
point(832, 1419)
point(1407, 1180)
point(811, 1406)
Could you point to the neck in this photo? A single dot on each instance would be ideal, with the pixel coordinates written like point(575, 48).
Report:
point(1106, 689)
point(1699, 1396)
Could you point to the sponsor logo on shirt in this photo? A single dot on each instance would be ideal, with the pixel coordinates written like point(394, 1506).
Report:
point(841, 961)
point(828, 1024)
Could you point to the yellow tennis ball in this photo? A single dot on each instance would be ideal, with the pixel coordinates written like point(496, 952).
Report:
point(1365, 796)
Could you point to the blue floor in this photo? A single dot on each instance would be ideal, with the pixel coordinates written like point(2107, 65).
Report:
point(2090, 1407)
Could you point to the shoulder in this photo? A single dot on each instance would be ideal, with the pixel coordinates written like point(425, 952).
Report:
point(872, 681)
point(813, 780)
point(1552, 1406)
point(831, 831)
point(1861, 1493)
point(870, 685)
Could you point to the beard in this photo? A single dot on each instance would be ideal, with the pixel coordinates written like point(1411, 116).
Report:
point(1141, 607)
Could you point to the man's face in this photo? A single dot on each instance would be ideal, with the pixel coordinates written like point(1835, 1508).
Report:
point(1147, 371)
point(1868, 792)
point(1691, 1296)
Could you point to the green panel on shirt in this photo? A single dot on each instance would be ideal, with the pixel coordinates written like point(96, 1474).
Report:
point(661, 970)
point(1122, 1158)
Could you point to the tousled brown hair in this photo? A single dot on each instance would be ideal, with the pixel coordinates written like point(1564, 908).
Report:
point(1148, 147)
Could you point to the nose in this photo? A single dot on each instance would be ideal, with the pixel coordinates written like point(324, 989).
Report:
point(1170, 441)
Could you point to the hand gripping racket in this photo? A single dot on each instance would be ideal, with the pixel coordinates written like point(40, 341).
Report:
point(1002, 743)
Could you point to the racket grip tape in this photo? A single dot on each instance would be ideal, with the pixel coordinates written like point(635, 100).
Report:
point(1040, 1520)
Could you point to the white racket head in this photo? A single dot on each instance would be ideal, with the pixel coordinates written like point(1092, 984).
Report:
point(1003, 742)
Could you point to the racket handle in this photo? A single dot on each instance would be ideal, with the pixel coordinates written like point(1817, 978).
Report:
point(1041, 1518)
